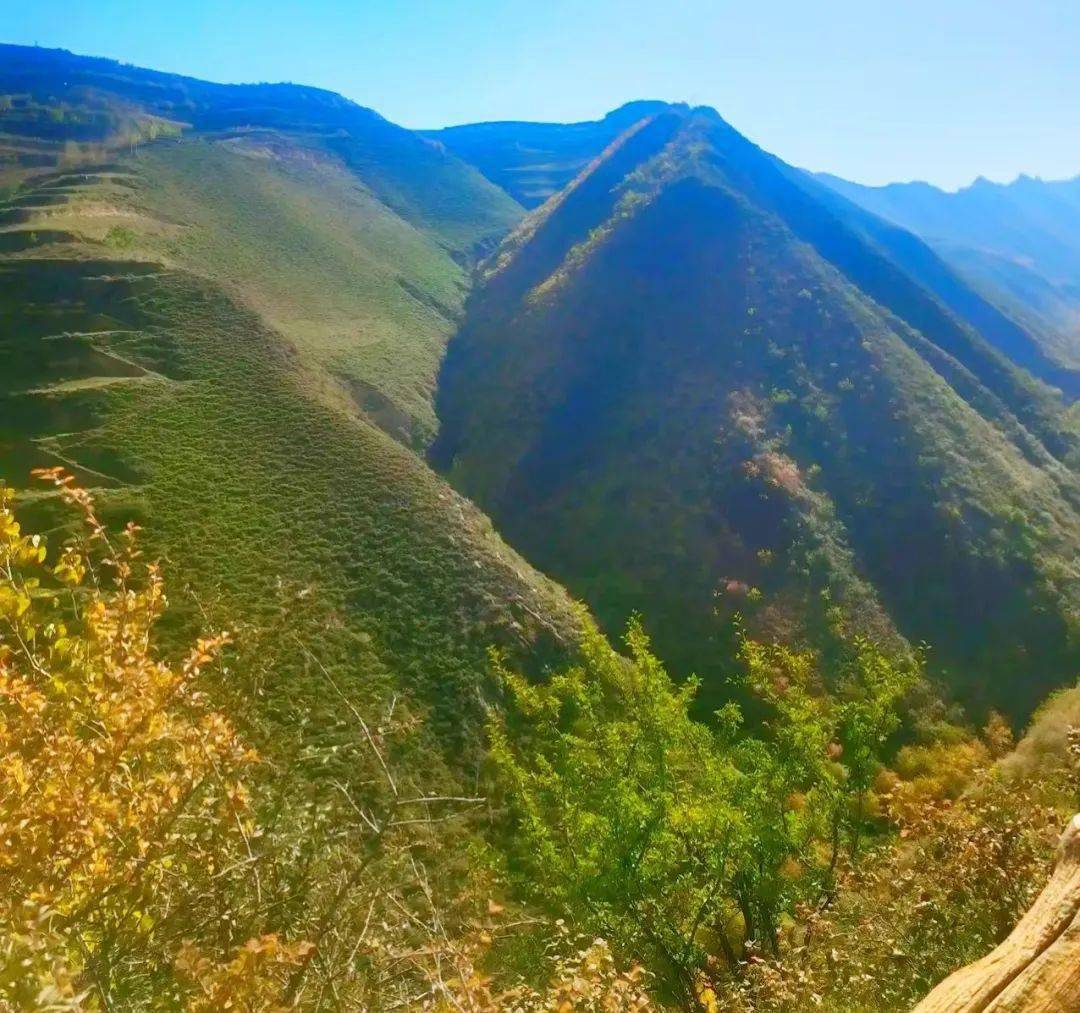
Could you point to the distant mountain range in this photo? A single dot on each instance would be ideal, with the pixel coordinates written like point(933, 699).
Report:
point(1020, 242)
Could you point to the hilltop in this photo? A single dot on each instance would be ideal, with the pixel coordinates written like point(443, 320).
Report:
point(1028, 316)
point(534, 161)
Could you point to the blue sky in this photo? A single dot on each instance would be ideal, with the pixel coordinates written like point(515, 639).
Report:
point(872, 90)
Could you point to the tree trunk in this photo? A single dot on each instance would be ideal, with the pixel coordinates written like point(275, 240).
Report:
point(1035, 970)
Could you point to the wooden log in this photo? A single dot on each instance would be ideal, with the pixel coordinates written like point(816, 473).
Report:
point(1035, 970)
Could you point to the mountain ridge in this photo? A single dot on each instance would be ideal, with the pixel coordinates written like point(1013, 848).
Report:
point(1015, 240)
point(604, 347)
point(532, 161)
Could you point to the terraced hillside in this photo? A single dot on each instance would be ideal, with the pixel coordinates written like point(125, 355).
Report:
point(689, 385)
point(233, 334)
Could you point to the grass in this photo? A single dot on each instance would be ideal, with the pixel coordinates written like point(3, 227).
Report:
point(179, 340)
point(362, 294)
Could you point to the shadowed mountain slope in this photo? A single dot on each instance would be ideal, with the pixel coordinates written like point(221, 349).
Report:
point(688, 385)
point(1020, 314)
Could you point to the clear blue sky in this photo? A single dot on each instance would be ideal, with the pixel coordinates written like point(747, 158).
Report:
point(874, 90)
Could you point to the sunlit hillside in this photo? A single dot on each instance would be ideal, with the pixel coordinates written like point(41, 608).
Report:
point(234, 334)
point(313, 427)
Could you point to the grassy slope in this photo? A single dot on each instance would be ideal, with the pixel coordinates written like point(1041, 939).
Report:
point(187, 331)
point(292, 234)
point(348, 234)
point(67, 107)
point(696, 402)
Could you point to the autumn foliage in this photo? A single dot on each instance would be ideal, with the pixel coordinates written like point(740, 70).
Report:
point(121, 790)
point(148, 859)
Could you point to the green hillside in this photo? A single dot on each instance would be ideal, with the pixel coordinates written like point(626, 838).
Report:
point(347, 748)
point(234, 333)
point(686, 386)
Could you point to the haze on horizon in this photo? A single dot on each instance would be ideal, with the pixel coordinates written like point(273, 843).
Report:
point(872, 91)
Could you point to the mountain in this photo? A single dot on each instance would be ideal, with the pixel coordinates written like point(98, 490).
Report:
point(223, 308)
point(697, 383)
point(533, 161)
point(1028, 317)
point(226, 305)
point(371, 757)
point(1019, 241)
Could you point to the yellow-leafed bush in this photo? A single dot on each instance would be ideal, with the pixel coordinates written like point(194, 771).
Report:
point(121, 797)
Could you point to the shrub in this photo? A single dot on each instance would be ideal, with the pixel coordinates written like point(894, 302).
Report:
point(688, 845)
point(122, 794)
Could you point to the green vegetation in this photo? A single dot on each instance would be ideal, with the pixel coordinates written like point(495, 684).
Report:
point(188, 410)
point(153, 860)
point(206, 332)
point(782, 868)
point(679, 843)
point(801, 863)
point(365, 297)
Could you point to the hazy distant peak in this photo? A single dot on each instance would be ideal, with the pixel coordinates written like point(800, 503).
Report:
point(630, 112)
point(914, 186)
point(532, 161)
point(843, 185)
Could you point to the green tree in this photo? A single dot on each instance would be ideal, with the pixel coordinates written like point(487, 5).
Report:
point(623, 806)
point(826, 733)
point(679, 841)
